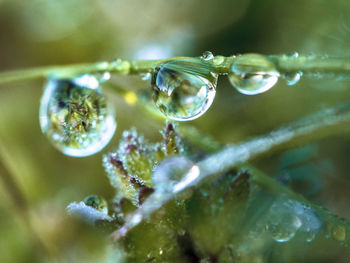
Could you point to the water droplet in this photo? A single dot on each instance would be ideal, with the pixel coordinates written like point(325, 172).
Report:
point(103, 77)
point(282, 222)
point(218, 60)
point(184, 89)
point(292, 78)
point(310, 236)
point(170, 172)
point(339, 232)
point(207, 55)
point(97, 202)
point(293, 55)
point(75, 115)
point(253, 74)
point(146, 76)
point(284, 227)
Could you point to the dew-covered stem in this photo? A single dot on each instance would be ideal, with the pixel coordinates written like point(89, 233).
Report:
point(221, 65)
point(311, 64)
point(310, 128)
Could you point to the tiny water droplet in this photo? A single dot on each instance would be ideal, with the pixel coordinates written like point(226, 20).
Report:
point(292, 78)
point(170, 172)
point(75, 115)
point(207, 55)
point(339, 232)
point(97, 202)
point(293, 54)
point(146, 76)
point(253, 74)
point(184, 89)
point(103, 77)
point(310, 236)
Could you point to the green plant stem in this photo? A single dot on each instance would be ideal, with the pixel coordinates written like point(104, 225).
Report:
point(221, 65)
point(311, 64)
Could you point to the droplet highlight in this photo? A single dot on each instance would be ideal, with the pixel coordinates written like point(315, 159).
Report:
point(171, 172)
point(146, 76)
point(286, 217)
point(184, 89)
point(75, 115)
point(292, 78)
point(253, 74)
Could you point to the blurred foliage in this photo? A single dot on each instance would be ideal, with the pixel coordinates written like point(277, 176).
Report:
point(38, 182)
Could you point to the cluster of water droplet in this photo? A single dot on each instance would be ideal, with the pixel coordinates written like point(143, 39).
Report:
point(77, 119)
point(76, 116)
point(286, 217)
point(184, 89)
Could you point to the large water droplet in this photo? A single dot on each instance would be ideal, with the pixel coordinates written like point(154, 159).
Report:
point(75, 116)
point(172, 173)
point(253, 74)
point(183, 89)
point(97, 202)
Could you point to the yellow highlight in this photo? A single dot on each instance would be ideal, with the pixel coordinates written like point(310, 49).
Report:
point(130, 97)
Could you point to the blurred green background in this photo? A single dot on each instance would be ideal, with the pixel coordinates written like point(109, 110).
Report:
point(40, 182)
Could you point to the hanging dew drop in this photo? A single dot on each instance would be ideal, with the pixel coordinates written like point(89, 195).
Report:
point(253, 74)
point(184, 89)
point(75, 115)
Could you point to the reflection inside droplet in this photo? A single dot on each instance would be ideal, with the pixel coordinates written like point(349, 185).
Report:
point(253, 74)
point(183, 90)
point(75, 115)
